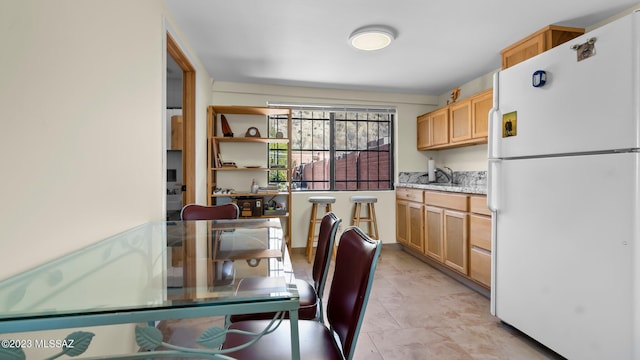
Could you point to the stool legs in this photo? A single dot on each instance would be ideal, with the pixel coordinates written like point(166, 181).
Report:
point(311, 235)
point(369, 218)
point(372, 212)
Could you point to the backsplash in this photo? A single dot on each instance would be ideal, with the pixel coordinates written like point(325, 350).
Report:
point(464, 178)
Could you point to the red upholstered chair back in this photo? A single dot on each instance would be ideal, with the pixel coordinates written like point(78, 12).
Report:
point(216, 212)
point(326, 241)
point(352, 280)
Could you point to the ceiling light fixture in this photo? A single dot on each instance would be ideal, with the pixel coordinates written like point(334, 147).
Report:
point(372, 37)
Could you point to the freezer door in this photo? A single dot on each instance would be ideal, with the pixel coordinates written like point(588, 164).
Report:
point(565, 252)
point(588, 105)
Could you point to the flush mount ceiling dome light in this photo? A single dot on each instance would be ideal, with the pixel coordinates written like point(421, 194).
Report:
point(372, 38)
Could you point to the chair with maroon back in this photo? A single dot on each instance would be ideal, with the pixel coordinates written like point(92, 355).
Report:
point(230, 211)
point(352, 280)
point(310, 295)
point(215, 212)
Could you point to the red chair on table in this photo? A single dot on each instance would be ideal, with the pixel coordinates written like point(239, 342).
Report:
point(216, 212)
point(310, 295)
point(230, 211)
point(352, 280)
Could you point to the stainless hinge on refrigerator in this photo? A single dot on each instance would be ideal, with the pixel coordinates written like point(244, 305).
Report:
point(585, 50)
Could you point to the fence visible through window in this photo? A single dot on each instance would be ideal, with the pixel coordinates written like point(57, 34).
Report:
point(348, 149)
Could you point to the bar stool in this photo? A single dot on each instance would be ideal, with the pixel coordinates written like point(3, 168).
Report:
point(314, 219)
point(369, 217)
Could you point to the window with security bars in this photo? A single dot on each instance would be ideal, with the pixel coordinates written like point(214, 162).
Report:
point(336, 149)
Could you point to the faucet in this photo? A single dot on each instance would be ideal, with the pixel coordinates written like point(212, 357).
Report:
point(449, 175)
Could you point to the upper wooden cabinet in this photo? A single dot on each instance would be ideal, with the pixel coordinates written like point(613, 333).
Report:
point(481, 104)
point(433, 129)
point(459, 124)
point(538, 42)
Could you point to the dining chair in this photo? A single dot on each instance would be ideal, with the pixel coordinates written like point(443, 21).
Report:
point(310, 295)
point(214, 212)
point(224, 273)
point(355, 265)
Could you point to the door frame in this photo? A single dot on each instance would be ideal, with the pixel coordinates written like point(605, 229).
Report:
point(188, 118)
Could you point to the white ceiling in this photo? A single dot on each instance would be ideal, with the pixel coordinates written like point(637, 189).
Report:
point(440, 44)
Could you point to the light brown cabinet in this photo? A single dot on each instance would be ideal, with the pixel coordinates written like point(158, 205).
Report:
point(451, 231)
point(480, 240)
point(409, 218)
point(481, 104)
point(433, 129)
point(446, 229)
point(537, 43)
point(176, 132)
point(459, 124)
point(434, 232)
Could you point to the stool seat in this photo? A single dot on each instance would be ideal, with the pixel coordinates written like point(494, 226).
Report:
point(364, 199)
point(322, 199)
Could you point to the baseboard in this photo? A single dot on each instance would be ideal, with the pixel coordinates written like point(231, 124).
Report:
point(451, 273)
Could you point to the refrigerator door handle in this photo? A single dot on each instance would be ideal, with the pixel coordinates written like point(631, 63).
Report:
point(493, 114)
point(493, 184)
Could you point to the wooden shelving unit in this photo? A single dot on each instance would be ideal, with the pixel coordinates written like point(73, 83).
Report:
point(239, 118)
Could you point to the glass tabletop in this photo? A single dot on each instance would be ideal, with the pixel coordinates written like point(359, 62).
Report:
point(156, 265)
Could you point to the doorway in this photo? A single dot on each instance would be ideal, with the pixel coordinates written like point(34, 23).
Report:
point(181, 144)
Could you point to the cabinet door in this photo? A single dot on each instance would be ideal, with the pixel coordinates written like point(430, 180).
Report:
point(415, 226)
point(480, 106)
point(434, 233)
point(424, 132)
point(456, 240)
point(176, 132)
point(523, 50)
point(409, 224)
point(402, 222)
point(480, 248)
point(460, 121)
point(439, 126)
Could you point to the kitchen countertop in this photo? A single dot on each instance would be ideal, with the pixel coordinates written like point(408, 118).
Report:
point(458, 188)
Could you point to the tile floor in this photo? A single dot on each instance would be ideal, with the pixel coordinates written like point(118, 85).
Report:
point(414, 312)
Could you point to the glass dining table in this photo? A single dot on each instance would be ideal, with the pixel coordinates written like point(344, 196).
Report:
point(155, 271)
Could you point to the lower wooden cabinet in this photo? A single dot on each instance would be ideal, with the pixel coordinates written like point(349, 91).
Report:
point(480, 241)
point(456, 240)
point(409, 219)
point(434, 232)
point(446, 224)
point(451, 229)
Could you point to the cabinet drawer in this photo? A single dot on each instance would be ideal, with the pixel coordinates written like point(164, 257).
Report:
point(448, 201)
point(409, 194)
point(480, 231)
point(478, 205)
point(480, 266)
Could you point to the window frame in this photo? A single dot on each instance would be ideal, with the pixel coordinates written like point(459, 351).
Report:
point(333, 150)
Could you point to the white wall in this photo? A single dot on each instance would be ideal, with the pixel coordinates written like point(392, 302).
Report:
point(81, 146)
point(407, 158)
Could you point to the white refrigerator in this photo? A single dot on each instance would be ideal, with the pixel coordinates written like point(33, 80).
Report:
point(564, 169)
